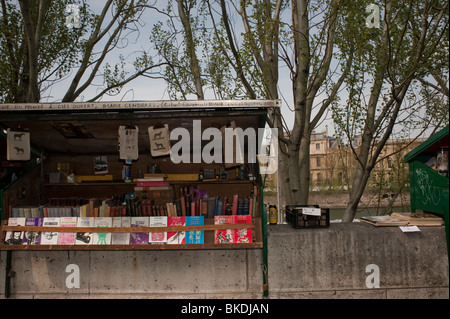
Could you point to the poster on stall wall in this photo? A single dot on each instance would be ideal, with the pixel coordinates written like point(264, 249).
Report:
point(18, 145)
point(159, 140)
point(128, 143)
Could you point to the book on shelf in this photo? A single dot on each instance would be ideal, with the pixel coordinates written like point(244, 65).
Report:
point(177, 237)
point(224, 236)
point(196, 236)
point(154, 177)
point(243, 235)
point(420, 218)
point(383, 221)
point(32, 237)
point(26, 211)
point(84, 238)
point(67, 238)
point(158, 237)
point(139, 238)
point(15, 237)
point(102, 238)
point(142, 182)
point(50, 237)
point(121, 238)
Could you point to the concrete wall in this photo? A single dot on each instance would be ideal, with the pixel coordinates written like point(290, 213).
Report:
point(333, 262)
point(304, 263)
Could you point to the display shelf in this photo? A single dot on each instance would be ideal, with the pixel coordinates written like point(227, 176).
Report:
point(256, 225)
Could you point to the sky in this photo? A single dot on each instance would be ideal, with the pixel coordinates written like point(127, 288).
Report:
point(156, 89)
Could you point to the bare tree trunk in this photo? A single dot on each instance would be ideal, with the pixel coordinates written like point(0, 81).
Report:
point(194, 64)
point(33, 39)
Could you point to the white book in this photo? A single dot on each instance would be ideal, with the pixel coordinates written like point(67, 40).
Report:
point(15, 237)
point(121, 238)
point(50, 237)
point(102, 238)
point(84, 238)
point(158, 237)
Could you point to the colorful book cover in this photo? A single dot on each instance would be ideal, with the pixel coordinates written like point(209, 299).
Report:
point(224, 236)
point(50, 237)
point(139, 238)
point(195, 237)
point(121, 238)
point(243, 235)
point(158, 237)
point(67, 238)
point(32, 237)
point(15, 237)
point(177, 237)
point(102, 238)
point(84, 238)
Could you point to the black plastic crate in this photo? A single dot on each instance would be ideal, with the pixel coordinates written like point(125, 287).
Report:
point(296, 218)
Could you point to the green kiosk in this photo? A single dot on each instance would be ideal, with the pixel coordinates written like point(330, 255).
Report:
point(429, 179)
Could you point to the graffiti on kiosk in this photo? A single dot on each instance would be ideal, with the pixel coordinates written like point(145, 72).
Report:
point(430, 194)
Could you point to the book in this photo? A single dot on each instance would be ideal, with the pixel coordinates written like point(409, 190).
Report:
point(224, 236)
point(243, 235)
point(234, 207)
point(84, 238)
point(121, 238)
point(147, 183)
point(102, 238)
point(32, 237)
point(197, 236)
point(420, 219)
point(177, 237)
point(158, 237)
point(15, 237)
point(50, 237)
point(383, 221)
point(139, 238)
point(67, 238)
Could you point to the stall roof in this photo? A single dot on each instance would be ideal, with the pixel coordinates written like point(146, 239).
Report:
point(92, 128)
point(431, 145)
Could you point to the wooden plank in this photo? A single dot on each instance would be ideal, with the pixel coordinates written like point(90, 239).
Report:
point(255, 245)
point(126, 229)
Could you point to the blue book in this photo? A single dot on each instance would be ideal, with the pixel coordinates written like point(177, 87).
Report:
point(195, 237)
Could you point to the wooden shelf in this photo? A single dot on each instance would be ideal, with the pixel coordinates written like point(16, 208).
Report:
point(255, 245)
point(255, 225)
point(233, 181)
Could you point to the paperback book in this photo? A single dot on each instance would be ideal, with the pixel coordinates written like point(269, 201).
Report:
point(121, 238)
point(243, 235)
point(139, 238)
point(67, 238)
point(178, 237)
point(158, 237)
point(224, 236)
point(32, 237)
point(50, 237)
point(15, 237)
point(84, 238)
point(102, 238)
point(195, 237)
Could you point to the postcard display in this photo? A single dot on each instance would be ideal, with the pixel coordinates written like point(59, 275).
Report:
point(175, 206)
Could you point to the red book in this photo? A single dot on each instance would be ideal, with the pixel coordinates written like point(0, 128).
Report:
point(243, 235)
point(234, 207)
point(193, 209)
point(178, 237)
point(183, 205)
point(151, 183)
point(224, 236)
